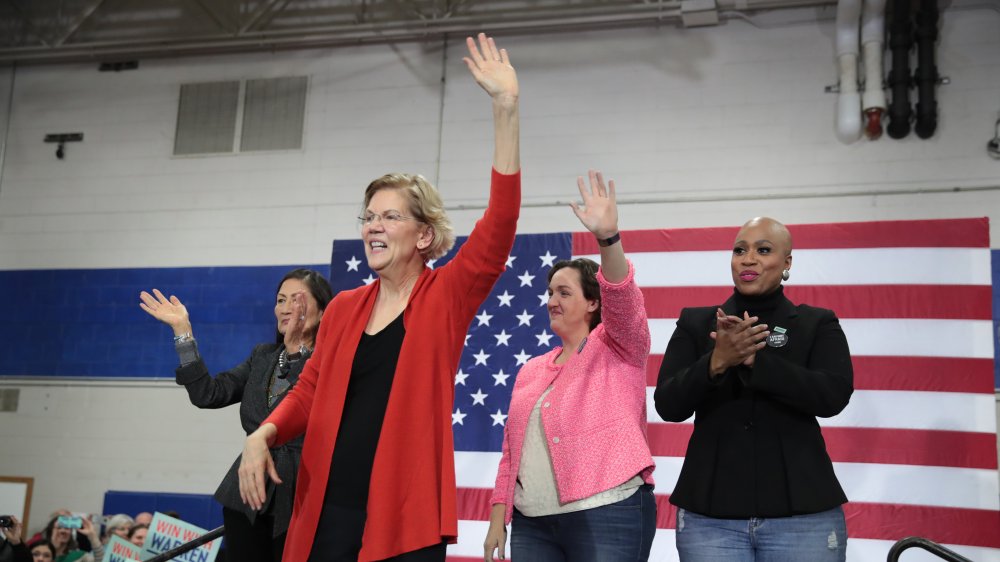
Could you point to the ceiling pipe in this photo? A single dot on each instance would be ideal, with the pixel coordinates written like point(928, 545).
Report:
point(848, 122)
point(363, 34)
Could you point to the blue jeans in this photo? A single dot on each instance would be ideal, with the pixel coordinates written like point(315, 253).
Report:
point(817, 537)
point(617, 532)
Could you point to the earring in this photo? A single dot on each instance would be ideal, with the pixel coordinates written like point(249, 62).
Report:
point(784, 274)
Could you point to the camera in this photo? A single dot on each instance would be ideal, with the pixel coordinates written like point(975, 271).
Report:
point(70, 522)
point(6, 521)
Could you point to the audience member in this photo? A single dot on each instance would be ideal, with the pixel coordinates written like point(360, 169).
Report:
point(137, 534)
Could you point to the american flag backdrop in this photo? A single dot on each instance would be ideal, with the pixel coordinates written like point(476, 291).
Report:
point(916, 448)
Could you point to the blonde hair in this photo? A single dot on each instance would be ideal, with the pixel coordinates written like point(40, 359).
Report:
point(425, 206)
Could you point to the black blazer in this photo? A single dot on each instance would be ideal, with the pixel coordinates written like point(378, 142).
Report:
point(247, 384)
point(757, 450)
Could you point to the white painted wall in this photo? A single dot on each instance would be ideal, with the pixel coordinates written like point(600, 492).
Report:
point(707, 127)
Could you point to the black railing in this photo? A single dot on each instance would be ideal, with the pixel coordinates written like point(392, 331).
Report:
point(190, 545)
point(928, 545)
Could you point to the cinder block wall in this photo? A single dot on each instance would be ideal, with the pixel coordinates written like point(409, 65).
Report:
point(702, 127)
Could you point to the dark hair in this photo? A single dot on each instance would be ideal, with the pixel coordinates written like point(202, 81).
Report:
point(50, 529)
point(43, 542)
point(588, 280)
point(132, 531)
point(318, 287)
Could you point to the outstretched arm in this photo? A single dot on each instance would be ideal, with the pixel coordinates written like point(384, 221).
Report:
point(493, 72)
point(171, 312)
point(205, 391)
point(599, 214)
point(480, 261)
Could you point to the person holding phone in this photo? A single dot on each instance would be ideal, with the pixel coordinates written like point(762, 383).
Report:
point(13, 548)
point(258, 384)
point(61, 532)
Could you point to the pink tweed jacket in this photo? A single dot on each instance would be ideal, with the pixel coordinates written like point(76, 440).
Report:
point(595, 416)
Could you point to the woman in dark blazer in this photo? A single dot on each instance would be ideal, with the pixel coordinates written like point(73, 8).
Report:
point(757, 483)
point(258, 384)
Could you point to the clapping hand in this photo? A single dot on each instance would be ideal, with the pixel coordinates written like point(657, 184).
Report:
point(737, 340)
point(298, 331)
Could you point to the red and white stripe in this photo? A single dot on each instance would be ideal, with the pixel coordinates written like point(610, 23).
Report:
point(916, 448)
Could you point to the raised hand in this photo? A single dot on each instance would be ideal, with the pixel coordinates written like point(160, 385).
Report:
point(87, 528)
point(599, 213)
point(14, 532)
point(171, 312)
point(491, 68)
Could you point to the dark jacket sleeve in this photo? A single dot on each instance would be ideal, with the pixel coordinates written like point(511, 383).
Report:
point(823, 386)
point(683, 381)
point(224, 389)
point(18, 552)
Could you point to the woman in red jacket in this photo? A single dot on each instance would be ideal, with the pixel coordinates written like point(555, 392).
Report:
point(377, 479)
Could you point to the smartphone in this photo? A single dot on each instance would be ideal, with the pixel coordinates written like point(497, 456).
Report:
point(70, 522)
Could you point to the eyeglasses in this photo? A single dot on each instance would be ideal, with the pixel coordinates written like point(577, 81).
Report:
point(388, 219)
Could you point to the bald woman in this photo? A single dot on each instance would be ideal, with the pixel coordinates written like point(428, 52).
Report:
point(757, 483)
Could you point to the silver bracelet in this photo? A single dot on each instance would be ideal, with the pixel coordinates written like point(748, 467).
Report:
point(183, 338)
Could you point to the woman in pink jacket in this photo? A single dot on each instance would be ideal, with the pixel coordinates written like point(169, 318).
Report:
point(576, 472)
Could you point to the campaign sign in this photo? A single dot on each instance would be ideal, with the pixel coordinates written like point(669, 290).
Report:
point(120, 550)
point(167, 533)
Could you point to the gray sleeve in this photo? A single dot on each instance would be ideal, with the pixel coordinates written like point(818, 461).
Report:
point(187, 352)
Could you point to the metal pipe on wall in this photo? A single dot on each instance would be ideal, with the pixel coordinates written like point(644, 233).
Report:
point(848, 124)
point(519, 21)
point(926, 75)
point(900, 42)
point(8, 113)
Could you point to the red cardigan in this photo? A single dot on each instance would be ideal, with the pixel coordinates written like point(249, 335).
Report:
point(412, 502)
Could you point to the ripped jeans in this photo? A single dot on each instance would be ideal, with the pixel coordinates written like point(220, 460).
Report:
point(818, 537)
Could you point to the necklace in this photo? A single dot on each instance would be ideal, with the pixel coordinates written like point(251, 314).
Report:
point(283, 363)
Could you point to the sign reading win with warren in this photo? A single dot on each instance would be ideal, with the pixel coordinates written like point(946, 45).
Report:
point(120, 550)
point(166, 533)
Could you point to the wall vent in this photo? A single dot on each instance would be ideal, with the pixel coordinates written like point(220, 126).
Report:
point(241, 116)
point(206, 118)
point(273, 114)
point(9, 398)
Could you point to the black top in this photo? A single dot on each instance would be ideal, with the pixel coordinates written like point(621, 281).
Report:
point(364, 411)
point(757, 450)
point(14, 552)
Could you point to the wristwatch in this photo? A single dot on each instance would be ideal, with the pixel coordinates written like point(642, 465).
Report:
point(609, 241)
